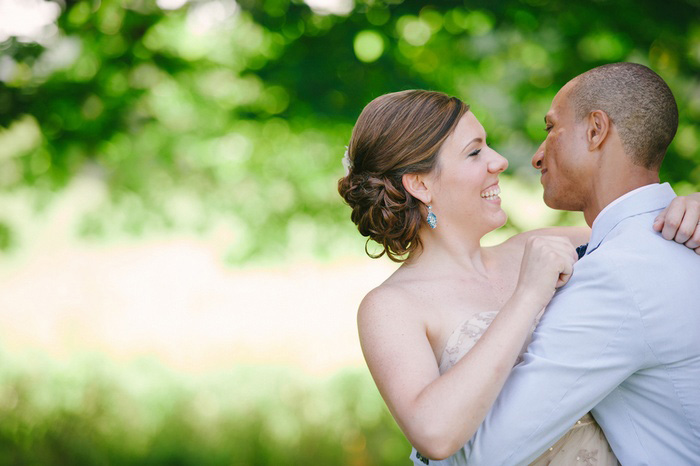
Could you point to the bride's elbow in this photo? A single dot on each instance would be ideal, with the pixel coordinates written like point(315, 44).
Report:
point(436, 444)
point(437, 451)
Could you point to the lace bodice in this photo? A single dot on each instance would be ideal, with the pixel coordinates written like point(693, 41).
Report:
point(465, 336)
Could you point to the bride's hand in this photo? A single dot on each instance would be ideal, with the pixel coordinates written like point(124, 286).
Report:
point(680, 221)
point(547, 264)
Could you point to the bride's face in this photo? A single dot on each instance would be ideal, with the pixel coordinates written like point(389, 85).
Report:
point(465, 187)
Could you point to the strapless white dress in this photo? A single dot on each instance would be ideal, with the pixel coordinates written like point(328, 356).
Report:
point(584, 444)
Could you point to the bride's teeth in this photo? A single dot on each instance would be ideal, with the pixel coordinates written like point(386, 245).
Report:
point(491, 194)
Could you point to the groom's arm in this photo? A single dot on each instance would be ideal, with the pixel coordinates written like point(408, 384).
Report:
point(589, 340)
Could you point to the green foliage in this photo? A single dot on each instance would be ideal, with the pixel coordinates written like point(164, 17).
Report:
point(92, 412)
point(243, 109)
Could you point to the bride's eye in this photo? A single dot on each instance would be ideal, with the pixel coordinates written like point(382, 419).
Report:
point(474, 152)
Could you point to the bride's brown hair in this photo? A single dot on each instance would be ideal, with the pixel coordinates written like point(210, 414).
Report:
point(396, 133)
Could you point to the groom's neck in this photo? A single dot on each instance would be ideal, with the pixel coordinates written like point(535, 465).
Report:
point(612, 184)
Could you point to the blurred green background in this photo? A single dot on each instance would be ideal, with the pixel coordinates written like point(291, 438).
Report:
point(216, 127)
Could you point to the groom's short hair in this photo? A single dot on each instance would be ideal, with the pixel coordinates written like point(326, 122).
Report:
point(639, 103)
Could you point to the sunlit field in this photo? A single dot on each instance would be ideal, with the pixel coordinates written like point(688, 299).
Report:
point(155, 351)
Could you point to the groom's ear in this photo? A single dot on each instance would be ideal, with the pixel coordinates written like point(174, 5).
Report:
point(598, 125)
point(414, 183)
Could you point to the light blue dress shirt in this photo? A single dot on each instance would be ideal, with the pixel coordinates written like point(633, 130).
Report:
point(622, 339)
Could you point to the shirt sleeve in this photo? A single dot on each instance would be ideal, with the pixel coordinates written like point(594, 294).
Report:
point(589, 340)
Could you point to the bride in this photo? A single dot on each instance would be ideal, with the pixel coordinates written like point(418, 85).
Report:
point(442, 333)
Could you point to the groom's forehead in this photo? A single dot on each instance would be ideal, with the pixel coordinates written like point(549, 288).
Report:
point(561, 101)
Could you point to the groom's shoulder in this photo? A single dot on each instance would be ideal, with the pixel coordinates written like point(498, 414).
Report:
point(636, 240)
point(633, 250)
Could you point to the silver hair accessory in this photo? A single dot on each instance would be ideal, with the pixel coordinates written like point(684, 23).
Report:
point(347, 163)
point(431, 218)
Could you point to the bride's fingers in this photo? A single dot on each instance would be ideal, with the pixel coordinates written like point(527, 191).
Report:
point(673, 218)
point(562, 280)
point(573, 254)
point(566, 269)
point(694, 241)
point(688, 225)
point(563, 245)
point(659, 221)
point(568, 252)
point(548, 262)
point(565, 266)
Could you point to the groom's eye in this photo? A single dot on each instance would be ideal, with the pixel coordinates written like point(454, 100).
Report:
point(547, 128)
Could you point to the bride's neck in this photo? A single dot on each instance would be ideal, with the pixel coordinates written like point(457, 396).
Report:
point(447, 253)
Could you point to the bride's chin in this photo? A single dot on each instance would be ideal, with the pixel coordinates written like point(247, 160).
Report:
point(486, 226)
point(503, 220)
point(497, 223)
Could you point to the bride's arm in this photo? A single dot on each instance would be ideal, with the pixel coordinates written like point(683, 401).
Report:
point(576, 235)
point(438, 414)
point(677, 222)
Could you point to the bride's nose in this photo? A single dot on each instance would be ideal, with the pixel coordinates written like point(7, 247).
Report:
point(498, 163)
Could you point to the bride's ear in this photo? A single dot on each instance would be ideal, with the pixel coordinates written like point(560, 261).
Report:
point(414, 183)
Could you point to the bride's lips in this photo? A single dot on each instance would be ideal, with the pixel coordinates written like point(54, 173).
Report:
point(491, 193)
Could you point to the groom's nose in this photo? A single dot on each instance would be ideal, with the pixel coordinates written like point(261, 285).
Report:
point(537, 158)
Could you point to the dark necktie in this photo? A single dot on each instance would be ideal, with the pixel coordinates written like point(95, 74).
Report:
point(581, 250)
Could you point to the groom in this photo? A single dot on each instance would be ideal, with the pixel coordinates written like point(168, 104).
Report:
point(622, 338)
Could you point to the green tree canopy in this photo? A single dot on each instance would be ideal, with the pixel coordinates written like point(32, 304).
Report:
point(242, 109)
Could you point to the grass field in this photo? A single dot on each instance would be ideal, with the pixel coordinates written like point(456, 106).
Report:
point(90, 411)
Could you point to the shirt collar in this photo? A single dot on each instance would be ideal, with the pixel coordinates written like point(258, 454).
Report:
point(621, 198)
point(648, 198)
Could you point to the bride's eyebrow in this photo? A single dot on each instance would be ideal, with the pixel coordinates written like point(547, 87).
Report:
point(471, 142)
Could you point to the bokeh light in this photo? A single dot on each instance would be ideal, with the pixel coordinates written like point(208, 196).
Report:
point(28, 20)
point(368, 45)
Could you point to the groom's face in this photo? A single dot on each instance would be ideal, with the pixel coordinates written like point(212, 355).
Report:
point(561, 156)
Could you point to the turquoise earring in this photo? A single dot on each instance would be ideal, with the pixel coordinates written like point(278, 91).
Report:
point(431, 218)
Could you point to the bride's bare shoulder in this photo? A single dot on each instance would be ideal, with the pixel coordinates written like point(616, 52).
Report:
point(392, 300)
point(387, 319)
point(387, 296)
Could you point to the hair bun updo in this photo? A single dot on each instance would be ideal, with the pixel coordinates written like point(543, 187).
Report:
point(395, 134)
